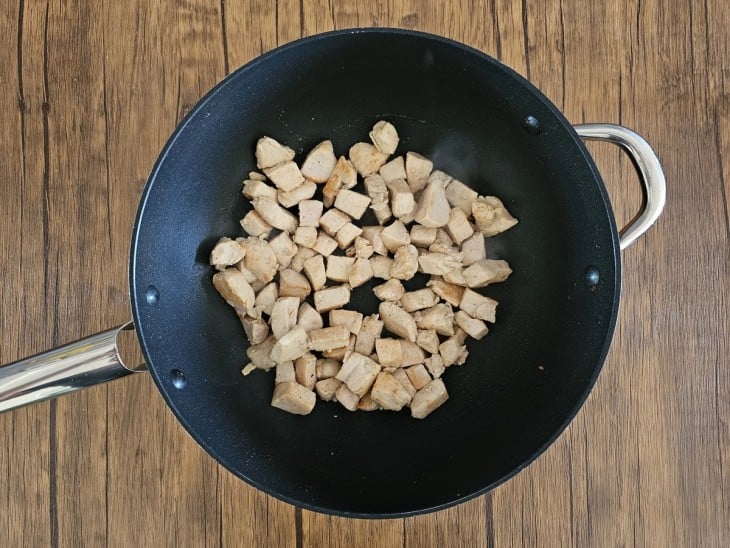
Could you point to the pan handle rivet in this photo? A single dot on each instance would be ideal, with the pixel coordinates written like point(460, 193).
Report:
point(591, 276)
point(531, 125)
point(178, 379)
point(152, 295)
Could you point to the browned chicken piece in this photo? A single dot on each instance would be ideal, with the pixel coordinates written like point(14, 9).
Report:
point(381, 266)
point(418, 300)
point(422, 236)
point(338, 267)
point(258, 189)
point(352, 203)
point(310, 212)
point(366, 158)
point(349, 318)
point(260, 259)
point(305, 370)
point(428, 339)
point(461, 196)
point(256, 176)
point(306, 236)
point(347, 234)
point(326, 368)
point(389, 393)
point(283, 315)
point(234, 288)
point(290, 198)
point(405, 262)
point(475, 328)
point(473, 249)
point(328, 338)
point(398, 321)
point(300, 257)
point(428, 398)
point(274, 214)
point(284, 249)
point(333, 220)
point(358, 372)
point(254, 225)
point(392, 290)
point(453, 352)
point(330, 298)
point(285, 372)
point(259, 354)
point(385, 137)
point(412, 353)
point(451, 293)
point(370, 331)
point(438, 264)
point(418, 375)
point(439, 317)
point(402, 202)
point(402, 377)
point(378, 191)
point(226, 253)
point(285, 176)
point(435, 365)
point(343, 176)
point(315, 271)
point(320, 162)
point(367, 403)
point(293, 284)
point(485, 272)
point(326, 388)
point(270, 152)
point(266, 298)
point(490, 215)
point(341, 352)
point(293, 398)
point(390, 352)
point(395, 235)
point(458, 227)
point(478, 306)
point(418, 168)
point(394, 169)
point(360, 272)
point(309, 318)
point(325, 245)
point(374, 235)
point(347, 397)
point(256, 329)
point(433, 208)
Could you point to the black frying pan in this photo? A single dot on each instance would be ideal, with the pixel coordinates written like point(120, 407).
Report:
point(523, 383)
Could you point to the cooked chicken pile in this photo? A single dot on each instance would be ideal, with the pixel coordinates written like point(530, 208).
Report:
point(290, 280)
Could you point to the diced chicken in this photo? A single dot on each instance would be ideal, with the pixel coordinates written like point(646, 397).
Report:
point(385, 137)
point(390, 352)
point(248, 369)
point(259, 353)
point(418, 375)
point(333, 220)
point(347, 397)
point(315, 271)
point(389, 393)
point(343, 176)
point(381, 266)
point(473, 249)
point(309, 318)
point(261, 259)
point(435, 365)
point(256, 176)
point(395, 235)
point(338, 267)
point(395, 169)
point(305, 370)
point(330, 298)
point(443, 243)
point(328, 338)
point(293, 398)
point(234, 288)
point(293, 284)
point(292, 197)
point(428, 398)
point(326, 388)
point(398, 321)
point(347, 234)
point(459, 334)
point(285, 372)
point(451, 293)
point(361, 248)
point(352, 203)
point(455, 276)
point(461, 196)
point(485, 272)
point(366, 158)
point(490, 215)
point(418, 169)
point(342, 352)
point(254, 225)
point(256, 329)
point(428, 339)
point(475, 328)
point(478, 306)
point(412, 353)
point(284, 249)
point(270, 152)
point(402, 202)
point(373, 234)
point(349, 318)
point(418, 300)
point(358, 372)
point(458, 226)
point(360, 272)
point(324, 245)
point(226, 252)
point(367, 403)
point(453, 351)
point(378, 191)
point(301, 256)
point(285, 176)
point(392, 290)
point(438, 264)
point(310, 212)
point(370, 331)
point(320, 162)
point(248, 275)
point(402, 377)
point(327, 368)
point(422, 236)
point(283, 315)
point(266, 298)
point(274, 214)
point(405, 262)
point(439, 317)
point(433, 209)
point(306, 236)
point(258, 189)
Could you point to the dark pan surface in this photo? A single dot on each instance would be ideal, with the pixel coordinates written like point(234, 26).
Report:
point(522, 383)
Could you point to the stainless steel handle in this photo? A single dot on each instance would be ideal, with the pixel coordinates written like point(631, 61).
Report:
point(650, 174)
point(86, 362)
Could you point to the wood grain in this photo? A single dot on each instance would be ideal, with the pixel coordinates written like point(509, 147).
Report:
point(89, 92)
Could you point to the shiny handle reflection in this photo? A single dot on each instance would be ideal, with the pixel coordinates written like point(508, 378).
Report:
point(86, 362)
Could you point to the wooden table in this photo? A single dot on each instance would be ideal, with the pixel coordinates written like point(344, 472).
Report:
point(89, 93)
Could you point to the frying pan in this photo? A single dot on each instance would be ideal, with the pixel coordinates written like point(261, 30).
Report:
point(522, 384)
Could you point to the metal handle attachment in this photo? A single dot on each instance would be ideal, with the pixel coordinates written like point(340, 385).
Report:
point(80, 364)
point(649, 171)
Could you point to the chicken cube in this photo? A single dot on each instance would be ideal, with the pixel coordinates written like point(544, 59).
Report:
point(485, 272)
point(373, 234)
point(451, 293)
point(412, 353)
point(305, 370)
point(418, 300)
point(461, 196)
point(324, 245)
point(330, 298)
point(261, 259)
point(433, 209)
point(256, 189)
point(439, 317)
point(310, 212)
point(302, 255)
point(473, 249)
point(453, 352)
point(478, 306)
point(256, 329)
point(435, 365)
point(418, 375)
point(392, 290)
point(326, 388)
point(475, 328)
point(490, 215)
point(402, 202)
point(234, 288)
point(284, 372)
point(422, 236)
point(347, 397)
point(259, 354)
point(256, 176)
point(381, 266)
point(352, 203)
point(284, 249)
point(402, 377)
point(290, 198)
point(428, 398)
point(283, 315)
point(309, 318)
point(418, 168)
point(395, 169)
point(405, 262)
point(358, 372)
point(249, 276)
point(327, 368)
point(226, 253)
point(254, 225)
point(428, 339)
point(333, 220)
point(349, 318)
point(266, 298)
point(360, 272)
point(320, 162)
point(366, 158)
point(438, 264)
point(338, 267)
point(343, 176)
point(389, 393)
point(458, 226)
point(398, 321)
point(389, 351)
point(385, 137)
point(341, 352)
point(315, 271)
point(285, 176)
point(347, 234)
point(306, 236)
point(274, 214)
point(367, 403)
point(395, 235)
point(328, 338)
point(455, 276)
point(293, 398)
point(269, 152)
point(370, 331)
point(293, 284)
point(378, 191)
point(361, 249)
